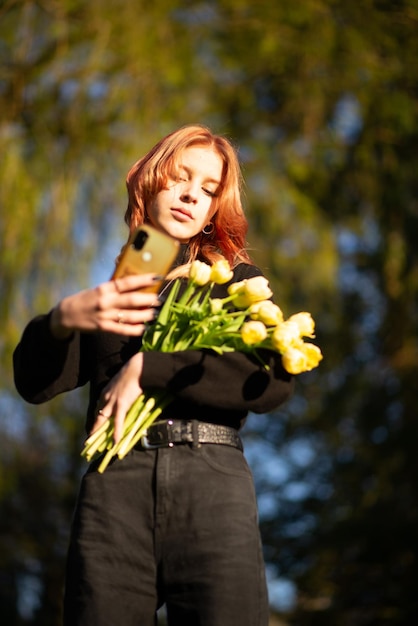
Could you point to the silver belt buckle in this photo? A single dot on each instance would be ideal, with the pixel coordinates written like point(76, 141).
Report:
point(164, 434)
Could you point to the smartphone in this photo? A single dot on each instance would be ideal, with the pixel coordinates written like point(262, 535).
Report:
point(148, 251)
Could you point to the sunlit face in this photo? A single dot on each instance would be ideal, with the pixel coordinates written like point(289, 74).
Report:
point(183, 208)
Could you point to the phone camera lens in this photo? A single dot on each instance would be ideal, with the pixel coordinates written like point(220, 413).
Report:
point(140, 240)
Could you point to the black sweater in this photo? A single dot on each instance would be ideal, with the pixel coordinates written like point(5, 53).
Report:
point(205, 386)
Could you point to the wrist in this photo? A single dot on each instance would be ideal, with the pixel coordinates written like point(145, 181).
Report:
point(137, 363)
point(56, 323)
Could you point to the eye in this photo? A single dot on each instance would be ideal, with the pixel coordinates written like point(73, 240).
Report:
point(209, 192)
point(178, 176)
point(181, 175)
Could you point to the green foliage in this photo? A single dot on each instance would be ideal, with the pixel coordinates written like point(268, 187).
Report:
point(320, 97)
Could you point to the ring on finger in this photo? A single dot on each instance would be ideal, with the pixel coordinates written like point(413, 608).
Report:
point(120, 318)
point(100, 412)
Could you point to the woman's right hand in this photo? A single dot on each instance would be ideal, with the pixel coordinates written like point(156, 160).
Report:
point(117, 306)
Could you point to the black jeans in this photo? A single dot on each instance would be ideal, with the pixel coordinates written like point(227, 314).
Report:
point(176, 526)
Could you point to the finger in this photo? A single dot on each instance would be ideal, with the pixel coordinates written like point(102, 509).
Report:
point(135, 316)
point(127, 330)
point(109, 301)
point(119, 424)
point(134, 282)
point(137, 300)
point(128, 323)
point(102, 416)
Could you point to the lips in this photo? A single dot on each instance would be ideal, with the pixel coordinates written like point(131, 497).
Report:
point(182, 213)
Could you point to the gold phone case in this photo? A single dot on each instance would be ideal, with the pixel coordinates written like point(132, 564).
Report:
point(148, 251)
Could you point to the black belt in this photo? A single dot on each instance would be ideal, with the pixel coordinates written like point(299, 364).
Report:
point(167, 433)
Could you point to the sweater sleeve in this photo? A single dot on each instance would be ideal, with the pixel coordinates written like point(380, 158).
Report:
point(45, 366)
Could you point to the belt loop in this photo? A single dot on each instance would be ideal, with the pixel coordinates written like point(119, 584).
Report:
point(195, 434)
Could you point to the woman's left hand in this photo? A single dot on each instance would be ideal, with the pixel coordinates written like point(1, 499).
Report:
point(119, 395)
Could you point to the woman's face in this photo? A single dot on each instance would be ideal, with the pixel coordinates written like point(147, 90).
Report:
point(182, 209)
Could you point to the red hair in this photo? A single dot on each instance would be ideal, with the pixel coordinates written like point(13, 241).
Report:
point(150, 175)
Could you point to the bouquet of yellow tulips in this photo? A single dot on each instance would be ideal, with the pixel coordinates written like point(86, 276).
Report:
point(245, 320)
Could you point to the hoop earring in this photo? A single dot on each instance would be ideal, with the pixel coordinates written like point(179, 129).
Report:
point(208, 229)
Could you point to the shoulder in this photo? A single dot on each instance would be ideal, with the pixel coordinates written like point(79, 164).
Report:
point(242, 271)
point(245, 270)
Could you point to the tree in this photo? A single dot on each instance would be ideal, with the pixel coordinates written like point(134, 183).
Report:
point(321, 98)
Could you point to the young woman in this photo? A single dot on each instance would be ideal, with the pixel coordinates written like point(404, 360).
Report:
point(175, 521)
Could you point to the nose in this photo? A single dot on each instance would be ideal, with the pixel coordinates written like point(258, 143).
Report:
point(189, 192)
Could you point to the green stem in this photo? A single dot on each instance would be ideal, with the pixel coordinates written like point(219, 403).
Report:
point(142, 416)
point(98, 440)
point(146, 423)
point(135, 425)
point(190, 289)
point(153, 334)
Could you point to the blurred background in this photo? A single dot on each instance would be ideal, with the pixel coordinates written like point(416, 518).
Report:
point(321, 99)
